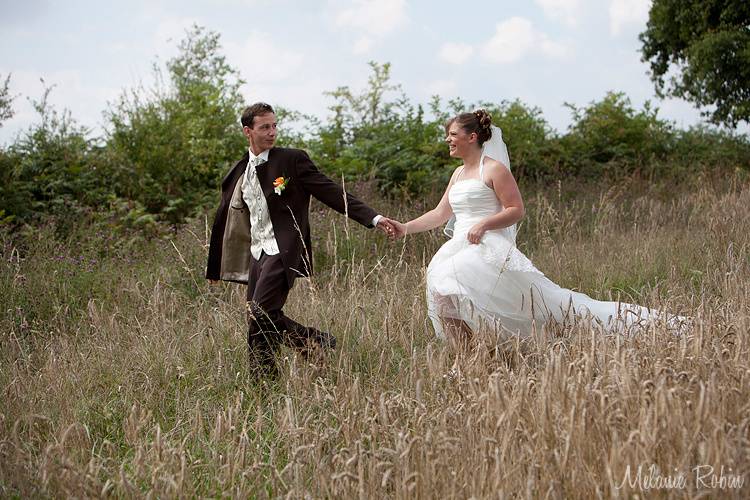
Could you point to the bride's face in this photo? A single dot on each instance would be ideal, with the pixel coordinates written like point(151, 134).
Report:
point(459, 142)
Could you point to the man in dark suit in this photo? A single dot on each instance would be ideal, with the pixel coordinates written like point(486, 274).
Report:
point(261, 234)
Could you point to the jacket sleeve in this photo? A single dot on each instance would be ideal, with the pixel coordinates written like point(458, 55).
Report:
point(330, 193)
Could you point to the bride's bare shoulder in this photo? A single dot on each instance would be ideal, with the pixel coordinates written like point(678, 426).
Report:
point(492, 165)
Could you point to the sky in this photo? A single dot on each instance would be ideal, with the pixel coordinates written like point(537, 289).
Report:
point(543, 52)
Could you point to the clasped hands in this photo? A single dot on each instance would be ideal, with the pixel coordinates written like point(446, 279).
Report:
point(395, 229)
point(392, 228)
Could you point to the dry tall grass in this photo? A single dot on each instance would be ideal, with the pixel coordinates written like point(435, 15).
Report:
point(123, 373)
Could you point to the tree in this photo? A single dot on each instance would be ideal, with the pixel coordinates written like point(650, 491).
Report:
point(6, 111)
point(48, 168)
point(175, 142)
point(527, 135)
point(377, 133)
point(699, 50)
point(611, 136)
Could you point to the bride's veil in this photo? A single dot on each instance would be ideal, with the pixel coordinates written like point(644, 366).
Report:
point(496, 149)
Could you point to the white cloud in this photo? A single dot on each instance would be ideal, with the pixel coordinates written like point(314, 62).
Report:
point(299, 94)
point(442, 88)
point(516, 38)
point(568, 11)
point(377, 17)
point(624, 12)
point(455, 53)
point(242, 3)
point(512, 40)
point(362, 45)
point(553, 49)
point(260, 60)
point(280, 75)
point(374, 19)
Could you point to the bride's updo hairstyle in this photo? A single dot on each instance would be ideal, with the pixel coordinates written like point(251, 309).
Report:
point(478, 122)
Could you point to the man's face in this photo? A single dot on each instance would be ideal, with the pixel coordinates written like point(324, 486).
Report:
point(262, 135)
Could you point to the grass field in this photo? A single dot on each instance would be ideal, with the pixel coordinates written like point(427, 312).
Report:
point(123, 373)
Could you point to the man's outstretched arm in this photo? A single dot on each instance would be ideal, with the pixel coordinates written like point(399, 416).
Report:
point(333, 195)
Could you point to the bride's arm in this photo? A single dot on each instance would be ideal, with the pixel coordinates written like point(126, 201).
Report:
point(507, 192)
point(434, 218)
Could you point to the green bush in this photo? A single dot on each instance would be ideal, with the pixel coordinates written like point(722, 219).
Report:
point(369, 136)
point(48, 170)
point(530, 140)
point(610, 136)
point(702, 148)
point(167, 148)
point(176, 141)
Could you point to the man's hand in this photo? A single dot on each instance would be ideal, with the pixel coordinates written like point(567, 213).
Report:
point(386, 225)
point(397, 230)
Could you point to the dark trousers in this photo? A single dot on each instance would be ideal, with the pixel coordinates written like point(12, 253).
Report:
point(267, 291)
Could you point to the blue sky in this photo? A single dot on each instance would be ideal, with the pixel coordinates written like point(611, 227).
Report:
point(544, 52)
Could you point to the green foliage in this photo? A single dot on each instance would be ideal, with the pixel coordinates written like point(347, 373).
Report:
point(6, 101)
point(708, 44)
point(165, 154)
point(612, 134)
point(390, 140)
point(528, 136)
point(176, 141)
point(15, 198)
point(702, 149)
point(50, 168)
point(168, 147)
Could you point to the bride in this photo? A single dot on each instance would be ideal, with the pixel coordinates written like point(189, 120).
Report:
point(479, 280)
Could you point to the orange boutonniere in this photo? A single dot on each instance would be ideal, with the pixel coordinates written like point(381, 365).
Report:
point(279, 184)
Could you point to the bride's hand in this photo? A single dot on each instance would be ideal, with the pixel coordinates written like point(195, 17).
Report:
point(391, 227)
point(475, 233)
point(399, 229)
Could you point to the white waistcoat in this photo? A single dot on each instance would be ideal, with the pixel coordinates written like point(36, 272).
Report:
point(261, 229)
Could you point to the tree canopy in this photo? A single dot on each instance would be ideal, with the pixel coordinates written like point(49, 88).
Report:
point(699, 50)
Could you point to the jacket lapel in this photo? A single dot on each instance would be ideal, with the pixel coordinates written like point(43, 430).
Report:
point(267, 172)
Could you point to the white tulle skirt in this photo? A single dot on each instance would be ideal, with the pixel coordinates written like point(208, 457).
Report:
point(492, 286)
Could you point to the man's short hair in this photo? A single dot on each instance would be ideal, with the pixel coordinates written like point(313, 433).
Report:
point(257, 109)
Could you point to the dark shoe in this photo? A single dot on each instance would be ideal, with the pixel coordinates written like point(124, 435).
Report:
point(306, 339)
point(323, 339)
point(312, 344)
point(317, 346)
point(261, 356)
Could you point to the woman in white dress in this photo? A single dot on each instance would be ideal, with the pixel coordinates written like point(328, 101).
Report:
point(479, 280)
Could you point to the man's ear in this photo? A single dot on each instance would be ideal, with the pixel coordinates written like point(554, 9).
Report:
point(246, 132)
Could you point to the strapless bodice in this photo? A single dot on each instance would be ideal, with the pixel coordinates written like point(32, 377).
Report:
point(471, 201)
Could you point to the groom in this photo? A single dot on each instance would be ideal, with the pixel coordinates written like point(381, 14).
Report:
point(261, 234)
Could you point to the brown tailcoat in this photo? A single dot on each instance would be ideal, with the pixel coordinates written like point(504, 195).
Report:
point(229, 250)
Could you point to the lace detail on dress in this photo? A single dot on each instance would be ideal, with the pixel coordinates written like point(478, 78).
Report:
point(505, 257)
point(493, 286)
point(517, 261)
